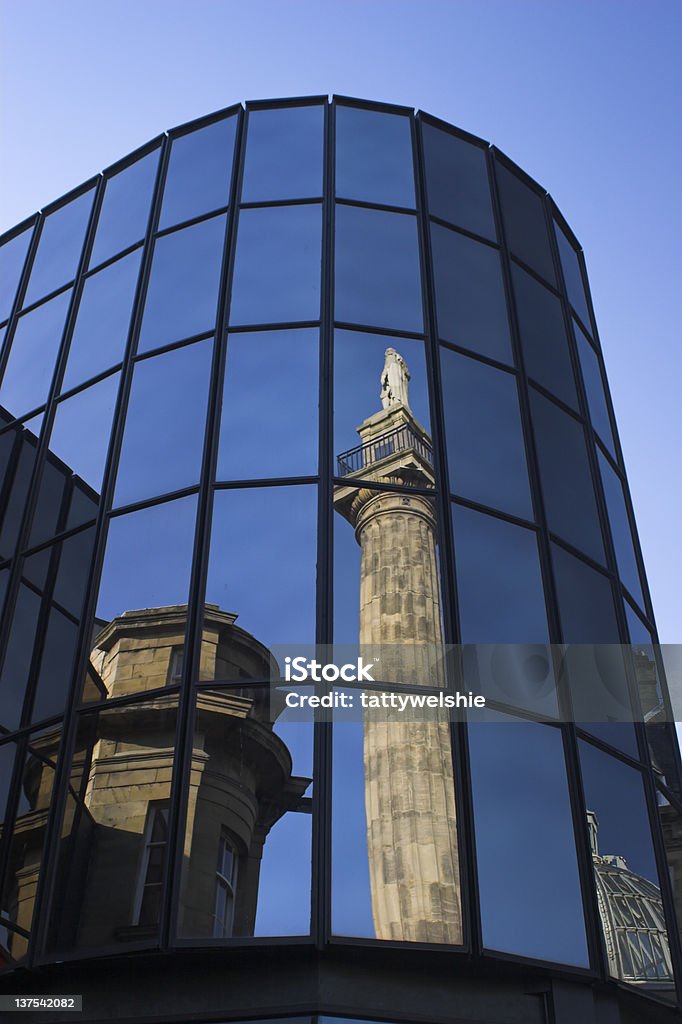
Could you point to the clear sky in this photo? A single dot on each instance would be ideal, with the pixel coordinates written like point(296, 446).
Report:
point(584, 94)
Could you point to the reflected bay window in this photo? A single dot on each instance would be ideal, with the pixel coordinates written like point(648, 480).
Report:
point(148, 902)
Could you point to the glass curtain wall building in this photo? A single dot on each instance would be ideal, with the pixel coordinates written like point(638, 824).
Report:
point(323, 372)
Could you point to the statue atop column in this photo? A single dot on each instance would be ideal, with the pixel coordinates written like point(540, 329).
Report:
point(394, 380)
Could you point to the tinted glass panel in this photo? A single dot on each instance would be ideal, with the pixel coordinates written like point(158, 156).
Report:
point(17, 664)
point(262, 435)
point(283, 154)
point(125, 208)
point(56, 666)
point(543, 336)
point(277, 265)
point(527, 868)
point(199, 173)
point(565, 475)
point(524, 223)
point(620, 530)
point(377, 269)
point(17, 486)
point(101, 332)
point(570, 265)
point(183, 288)
point(625, 873)
point(470, 300)
point(457, 181)
point(498, 581)
point(32, 358)
point(594, 389)
point(166, 418)
point(486, 456)
point(49, 508)
point(262, 561)
point(374, 157)
point(12, 256)
point(59, 248)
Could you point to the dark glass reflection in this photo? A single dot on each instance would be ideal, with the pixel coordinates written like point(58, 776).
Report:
point(594, 389)
point(165, 422)
point(277, 265)
point(470, 302)
point(570, 502)
point(15, 490)
point(531, 901)
point(12, 257)
point(377, 269)
point(623, 541)
point(457, 182)
point(125, 208)
point(7, 752)
point(486, 455)
point(524, 223)
point(112, 852)
point(182, 296)
point(543, 337)
point(199, 173)
point(625, 874)
point(17, 663)
point(501, 597)
point(32, 358)
point(237, 877)
point(374, 157)
point(570, 266)
point(101, 330)
point(585, 601)
point(262, 561)
point(59, 247)
point(269, 421)
point(283, 154)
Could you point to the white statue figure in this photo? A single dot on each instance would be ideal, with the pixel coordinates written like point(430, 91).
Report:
point(394, 379)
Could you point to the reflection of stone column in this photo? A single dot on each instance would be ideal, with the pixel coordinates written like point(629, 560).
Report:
point(409, 785)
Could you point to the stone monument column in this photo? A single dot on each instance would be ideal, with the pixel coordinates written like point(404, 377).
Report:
point(409, 784)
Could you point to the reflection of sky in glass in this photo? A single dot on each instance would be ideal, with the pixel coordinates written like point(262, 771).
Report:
point(358, 363)
point(347, 556)
point(101, 331)
point(199, 171)
point(80, 435)
point(59, 247)
point(269, 423)
point(12, 256)
point(284, 884)
point(457, 181)
point(543, 336)
point(283, 154)
point(620, 530)
point(528, 876)
point(33, 354)
point(125, 208)
point(524, 222)
point(262, 561)
point(572, 276)
point(148, 558)
point(351, 899)
point(594, 389)
point(163, 440)
point(374, 157)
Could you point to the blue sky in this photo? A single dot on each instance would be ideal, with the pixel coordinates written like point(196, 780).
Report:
point(585, 95)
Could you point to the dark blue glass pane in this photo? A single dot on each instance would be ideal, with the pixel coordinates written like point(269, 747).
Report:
point(585, 601)
point(125, 208)
point(183, 289)
point(81, 431)
point(165, 422)
point(12, 256)
point(377, 269)
point(543, 336)
point(59, 247)
point(470, 302)
point(501, 598)
point(262, 561)
point(260, 434)
point(621, 533)
point(32, 358)
point(199, 173)
point(48, 511)
point(101, 331)
point(524, 223)
point(457, 182)
point(17, 664)
point(374, 157)
point(570, 266)
point(56, 666)
point(486, 454)
point(148, 559)
point(15, 500)
point(594, 389)
point(565, 476)
point(277, 265)
point(283, 154)
point(531, 901)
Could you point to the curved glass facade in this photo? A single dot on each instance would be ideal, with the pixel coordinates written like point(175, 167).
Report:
point(323, 372)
